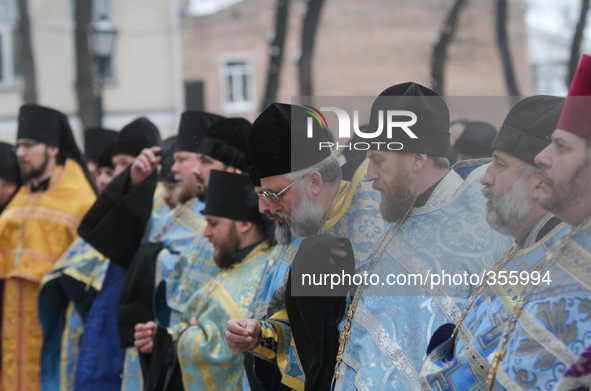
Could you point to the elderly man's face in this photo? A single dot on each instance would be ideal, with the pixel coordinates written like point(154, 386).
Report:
point(282, 232)
point(391, 173)
point(566, 175)
point(509, 191)
point(274, 184)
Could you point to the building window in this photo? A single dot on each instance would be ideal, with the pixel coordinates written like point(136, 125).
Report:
point(10, 46)
point(238, 91)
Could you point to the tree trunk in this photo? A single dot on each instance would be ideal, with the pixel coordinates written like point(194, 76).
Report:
point(440, 48)
point(504, 51)
point(87, 100)
point(24, 32)
point(575, 49)
point(276, 47)
point(309, 28)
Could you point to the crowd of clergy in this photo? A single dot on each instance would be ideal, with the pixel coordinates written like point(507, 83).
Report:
point(144, 264)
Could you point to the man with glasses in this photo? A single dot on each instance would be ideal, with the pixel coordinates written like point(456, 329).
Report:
point(303, 185)
point(36, 227)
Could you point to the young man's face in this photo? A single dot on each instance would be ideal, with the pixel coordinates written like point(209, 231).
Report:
point(182, 168)
point(104, 175)
point(222, 233)
point(33, 158)
point(566, 176)
point(201, 171)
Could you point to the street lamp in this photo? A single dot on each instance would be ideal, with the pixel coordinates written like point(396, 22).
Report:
point(101, 39)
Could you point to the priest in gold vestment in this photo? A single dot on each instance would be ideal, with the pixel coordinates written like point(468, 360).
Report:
point(36, 227)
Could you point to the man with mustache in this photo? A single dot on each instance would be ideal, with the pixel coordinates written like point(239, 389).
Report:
point(512, 184)
point(36, 227)
point(182, 272)
point(437, 227)
point(301, 184)
point(68, 290)
point(547, 335)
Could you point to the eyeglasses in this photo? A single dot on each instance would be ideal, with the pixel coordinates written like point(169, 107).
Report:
point(275, 197)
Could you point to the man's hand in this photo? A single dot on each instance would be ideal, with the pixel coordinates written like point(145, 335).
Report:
point(144, 165)
point(144, 336)
point(242, 335)
point(337, 251)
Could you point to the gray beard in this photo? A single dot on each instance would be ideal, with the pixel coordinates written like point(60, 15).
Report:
point(306, 218)
point(283, 233)
point(509, 210)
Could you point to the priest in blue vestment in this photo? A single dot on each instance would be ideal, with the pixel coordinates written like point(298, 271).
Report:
point(512, 185)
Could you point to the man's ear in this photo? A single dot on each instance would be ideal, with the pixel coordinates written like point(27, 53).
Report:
point(315, 182)
point(537, 188)
point(418, 161)
point(52, 151)
point(243, 226)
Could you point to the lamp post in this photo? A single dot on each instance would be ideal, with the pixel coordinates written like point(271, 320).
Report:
point(101, 39)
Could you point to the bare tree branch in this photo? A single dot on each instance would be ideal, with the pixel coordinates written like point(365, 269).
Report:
point(309, 27)
point(575, 49)
point(501, 22)
point(24, 32)
point(276, 47)
point(439, 56)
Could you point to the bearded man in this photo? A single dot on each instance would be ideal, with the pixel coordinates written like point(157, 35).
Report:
point(36, 227)
point(550, 322)
point(512, 184)
point(302, 185)
point(241, 251)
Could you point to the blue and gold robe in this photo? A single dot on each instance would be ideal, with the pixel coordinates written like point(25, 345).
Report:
point(354, 215)
point(392, 324)
point(554, 329)
point(206, 361)
point(461, 363)
point(66, 293)
point(176, 229)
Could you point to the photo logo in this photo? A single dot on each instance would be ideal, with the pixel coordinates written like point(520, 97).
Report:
point(392, 121)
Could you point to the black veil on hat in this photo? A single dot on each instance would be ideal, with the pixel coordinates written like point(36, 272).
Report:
point(528, 127)
point(431, 128)
point(476, 140)
point(226, 141)
point(51, 127)
point(9, 168)
point(165, 174)
point(278, 141)
point(192, 128)
point(95, 141)
point(135, 136)
point(106, 157)
point(232, 196)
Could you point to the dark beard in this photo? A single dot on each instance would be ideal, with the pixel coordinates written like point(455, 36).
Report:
point(226, 255)
point(36, 172)
point(571, 191)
